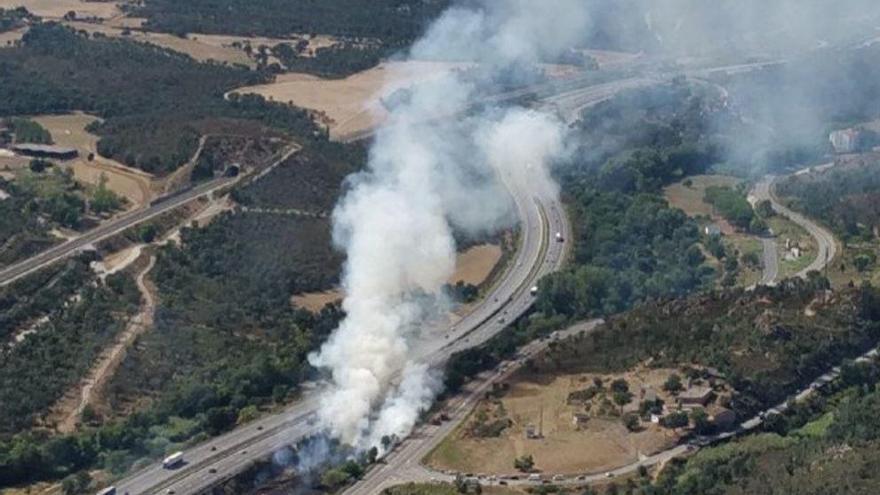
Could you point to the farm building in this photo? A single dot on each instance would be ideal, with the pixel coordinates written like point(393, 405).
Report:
point(46, 151)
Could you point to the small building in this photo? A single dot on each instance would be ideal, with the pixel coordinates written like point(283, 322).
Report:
point(580, 420)
point(532, 432)
point(712, 230)
point(845, 141)
point(46, 151)
point(695, 396)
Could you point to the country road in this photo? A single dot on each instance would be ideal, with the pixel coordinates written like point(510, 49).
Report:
point(827, 245)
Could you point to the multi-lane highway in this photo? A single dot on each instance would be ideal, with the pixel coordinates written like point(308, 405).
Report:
point(539, 253)
point(124, 222)
point(107, 230)
point(225, 456)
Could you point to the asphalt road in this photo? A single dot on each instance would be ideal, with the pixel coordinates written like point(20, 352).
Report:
point(827, 246)
point(106, 230)
point(771, 261)
point(223, 457)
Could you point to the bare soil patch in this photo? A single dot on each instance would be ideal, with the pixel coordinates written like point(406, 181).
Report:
point(601, 444)
point(474, 265)
point(353, 104)
point(58, 8)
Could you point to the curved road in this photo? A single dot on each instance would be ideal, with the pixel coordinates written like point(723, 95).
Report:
point(224, 457)
point(827, 245)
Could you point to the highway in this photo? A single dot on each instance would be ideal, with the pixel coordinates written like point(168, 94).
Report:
point(126, 221)
point(106, 230)
point(539, 253)
point(223, 457)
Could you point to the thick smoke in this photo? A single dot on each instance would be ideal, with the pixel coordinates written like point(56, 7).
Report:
point(428, 176)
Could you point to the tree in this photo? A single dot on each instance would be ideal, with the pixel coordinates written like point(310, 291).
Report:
point(764, 208)
point(675, 420)
point(620, 385)
point(104, 200)
point(673, 384)
point(700, 417)
point(622, 398)
point(525, 463)
point(631, 421)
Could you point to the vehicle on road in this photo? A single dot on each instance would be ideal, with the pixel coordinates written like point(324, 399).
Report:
point(110, 490)
point(173, 460)
point(534, 290)
point(559, 237)
point(535, 477)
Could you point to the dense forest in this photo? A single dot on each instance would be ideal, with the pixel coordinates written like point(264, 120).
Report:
point(392, 21)
point(630, 245)
point(152, 121)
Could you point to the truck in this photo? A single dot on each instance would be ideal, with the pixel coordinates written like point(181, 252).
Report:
point(110, 490)
point(173, 460)
point(559, 237)
point(535, 478)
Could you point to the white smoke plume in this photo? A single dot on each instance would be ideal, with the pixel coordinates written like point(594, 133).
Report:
point(428, 175)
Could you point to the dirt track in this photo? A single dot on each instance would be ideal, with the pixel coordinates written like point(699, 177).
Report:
point(90, 391)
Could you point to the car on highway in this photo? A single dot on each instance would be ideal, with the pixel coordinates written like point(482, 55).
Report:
point(110, 490)
point(172, 461)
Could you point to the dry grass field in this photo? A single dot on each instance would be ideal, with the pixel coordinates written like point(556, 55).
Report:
point(353, 104)
point(602, 444)
point(10, 37)
point(56, 9)
point(70, 130)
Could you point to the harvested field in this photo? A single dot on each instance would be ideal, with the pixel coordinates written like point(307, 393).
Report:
point(601, 444)
point(70, 130)
point(353, 104)
point(57, 8)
